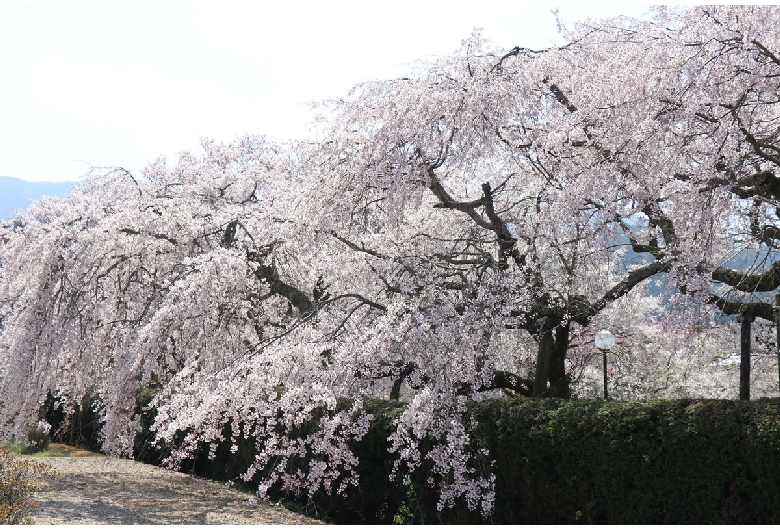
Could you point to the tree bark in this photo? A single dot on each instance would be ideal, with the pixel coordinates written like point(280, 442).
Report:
point(559, 380)
point(543, 358)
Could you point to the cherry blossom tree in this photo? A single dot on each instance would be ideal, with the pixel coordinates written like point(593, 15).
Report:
point(119, 284)
point(695, 107)
point(721, 109)
point(195, 281)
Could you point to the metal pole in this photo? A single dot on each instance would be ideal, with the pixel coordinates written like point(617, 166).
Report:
point(604, 341)
point(744, 358)
point(777, 341)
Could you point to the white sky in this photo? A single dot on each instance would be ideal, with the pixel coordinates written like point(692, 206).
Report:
point(119, 83)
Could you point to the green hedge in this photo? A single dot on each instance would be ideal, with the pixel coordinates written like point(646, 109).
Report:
point(660, 462)
point(586, 461)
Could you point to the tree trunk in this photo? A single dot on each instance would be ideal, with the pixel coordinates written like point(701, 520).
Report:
point(543, 359)
point(559, 379)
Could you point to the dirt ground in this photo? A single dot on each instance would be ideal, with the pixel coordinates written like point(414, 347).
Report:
point(97, 489)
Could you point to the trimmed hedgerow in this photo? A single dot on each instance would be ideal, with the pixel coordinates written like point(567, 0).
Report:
point(670, 462)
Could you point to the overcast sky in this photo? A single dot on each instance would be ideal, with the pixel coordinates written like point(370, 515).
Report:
point(119, 83)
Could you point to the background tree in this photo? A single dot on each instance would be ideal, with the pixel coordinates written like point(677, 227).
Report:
point(737, 53)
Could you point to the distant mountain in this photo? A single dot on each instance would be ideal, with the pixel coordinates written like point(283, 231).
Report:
point(16, 193)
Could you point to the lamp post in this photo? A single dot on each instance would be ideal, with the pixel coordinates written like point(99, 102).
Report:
point(604, 341)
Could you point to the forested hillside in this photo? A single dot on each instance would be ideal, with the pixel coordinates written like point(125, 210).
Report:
point(16, 193)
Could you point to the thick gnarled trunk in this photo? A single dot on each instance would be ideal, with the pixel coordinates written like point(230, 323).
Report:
point(559, 379)
point(543, 358)
point(551, 362)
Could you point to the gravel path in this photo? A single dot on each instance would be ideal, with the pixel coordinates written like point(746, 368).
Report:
point(105, 490)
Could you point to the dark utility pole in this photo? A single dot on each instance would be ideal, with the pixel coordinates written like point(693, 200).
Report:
point(744, 358)
point(777, 341)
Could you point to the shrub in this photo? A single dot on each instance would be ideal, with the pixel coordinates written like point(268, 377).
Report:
point(38, 437)
point(19, 479)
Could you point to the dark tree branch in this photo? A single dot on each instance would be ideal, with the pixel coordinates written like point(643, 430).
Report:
point(447, 201)
point(764, 184)
point(562, 98)
point(749, 282)
point(164, 237)
point(766, 52)
point(359, 248)
point(362, 299)
point(511, 53)
point(270, 275)
point(659, 219)
point(750, 309)
point(632, 279)
point(501, 380)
